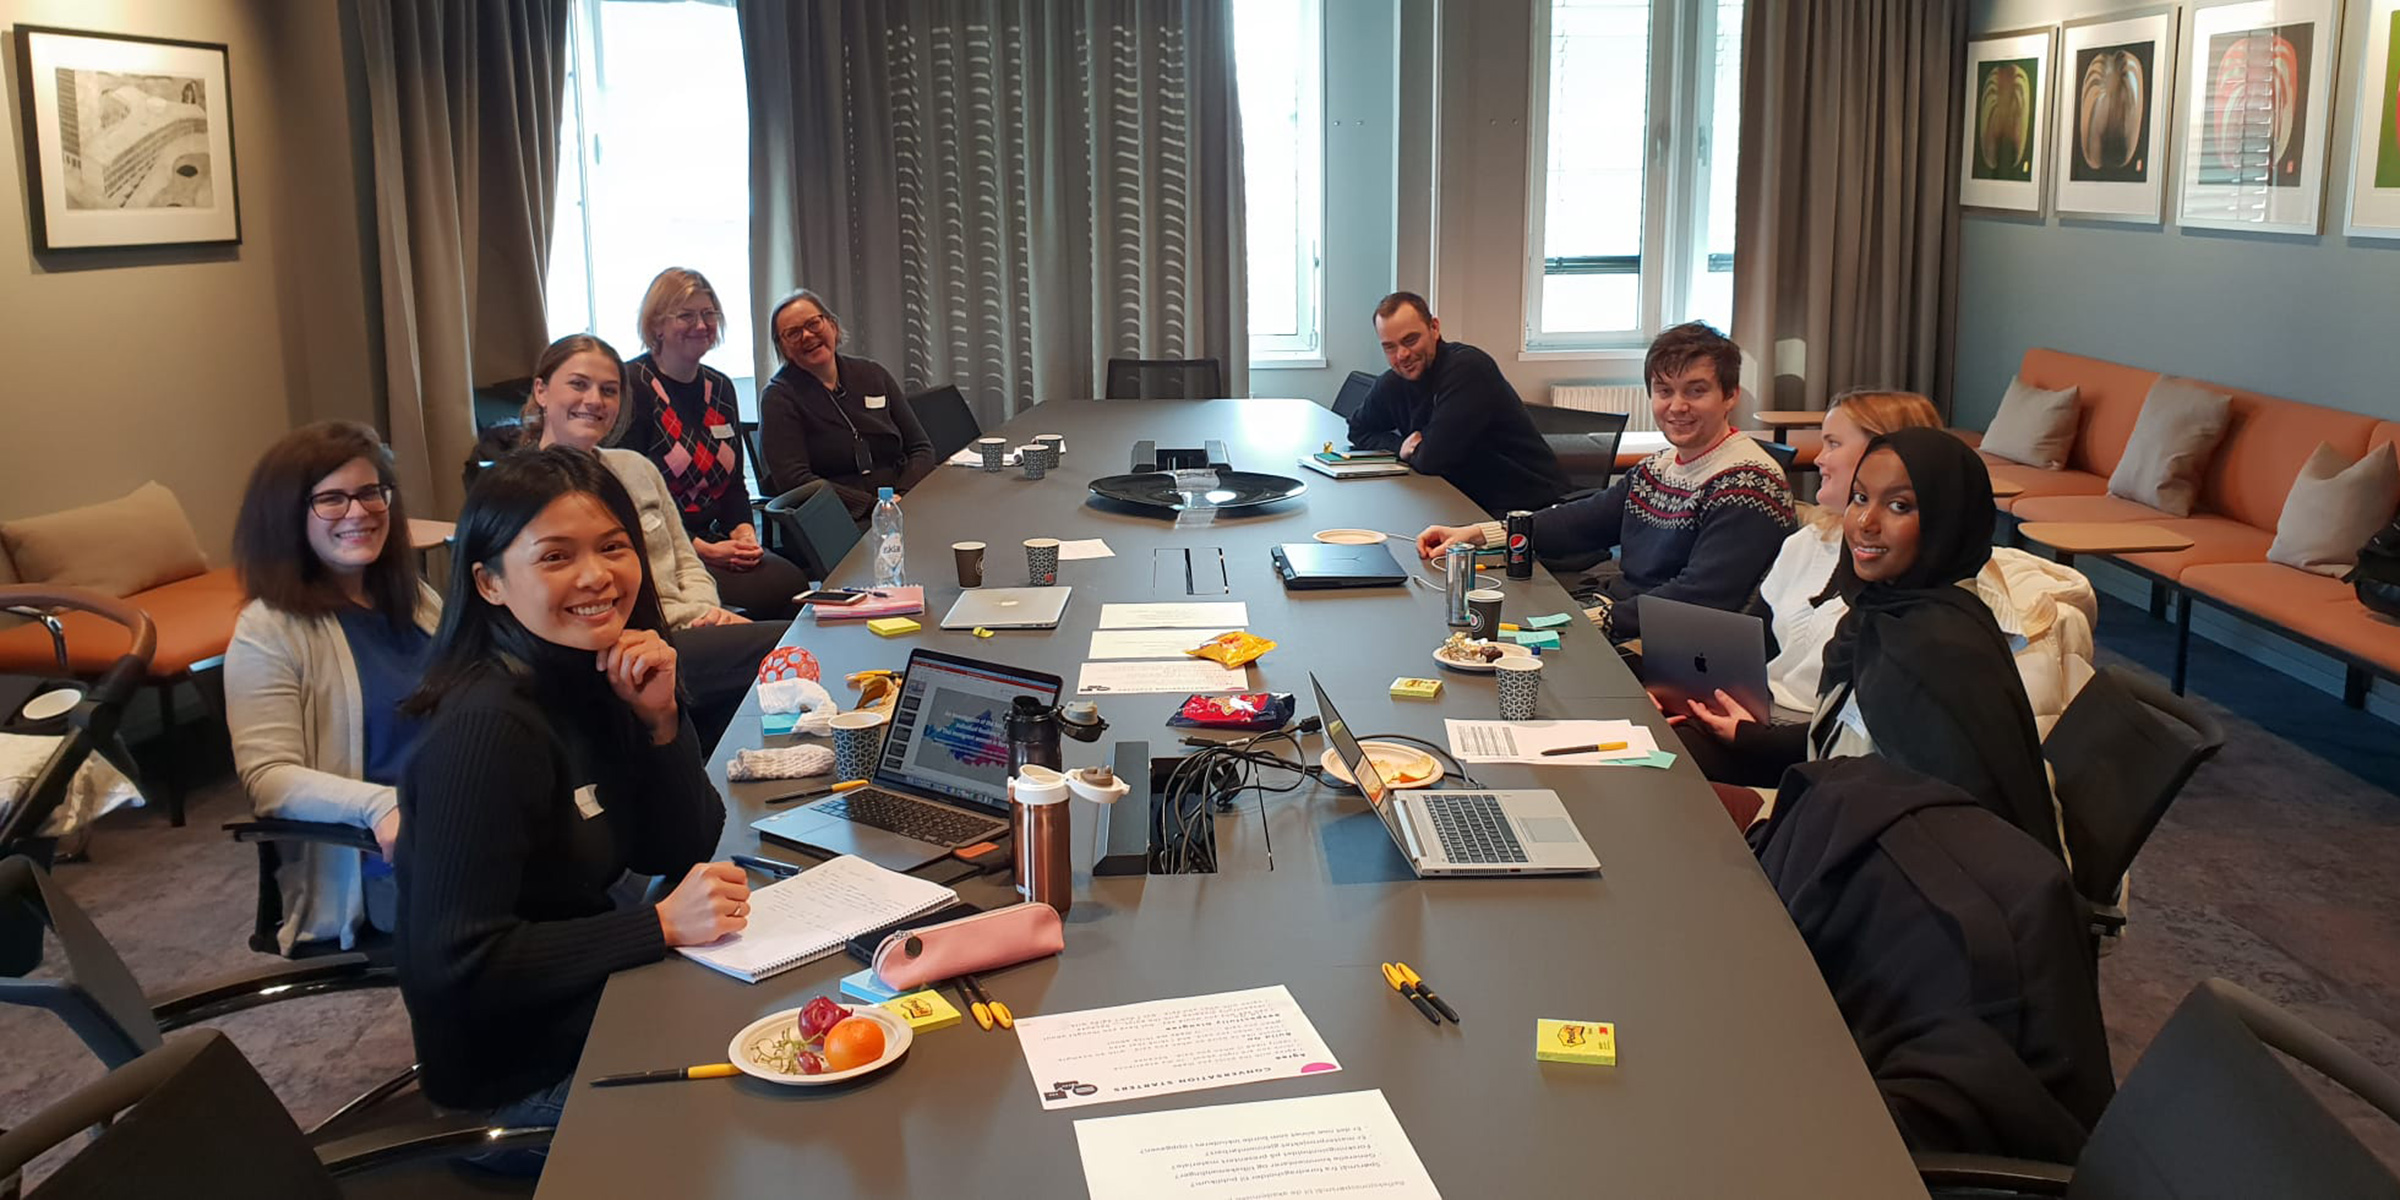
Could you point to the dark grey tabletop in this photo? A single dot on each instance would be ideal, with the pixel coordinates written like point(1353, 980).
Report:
point(1735, 1076)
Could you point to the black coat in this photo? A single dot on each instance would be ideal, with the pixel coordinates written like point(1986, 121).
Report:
point(1955, 947)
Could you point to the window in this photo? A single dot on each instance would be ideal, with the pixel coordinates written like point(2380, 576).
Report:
point(1278, 74)
point(1636, 105)
point(653, 169)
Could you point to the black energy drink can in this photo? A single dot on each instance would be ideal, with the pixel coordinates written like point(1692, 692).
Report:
point(1520, 544)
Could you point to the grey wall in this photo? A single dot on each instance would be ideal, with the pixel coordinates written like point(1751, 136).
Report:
point(2307, 318)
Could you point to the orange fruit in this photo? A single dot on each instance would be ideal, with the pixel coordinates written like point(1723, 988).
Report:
point(855, 1042)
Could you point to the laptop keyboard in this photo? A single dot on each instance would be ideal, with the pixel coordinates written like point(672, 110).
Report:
point(1473, 828)
point(909, 817)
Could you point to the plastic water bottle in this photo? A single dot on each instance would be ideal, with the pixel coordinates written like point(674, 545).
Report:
point(891, 556)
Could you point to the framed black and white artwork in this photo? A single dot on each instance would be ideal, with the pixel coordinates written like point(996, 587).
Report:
point(128, 140)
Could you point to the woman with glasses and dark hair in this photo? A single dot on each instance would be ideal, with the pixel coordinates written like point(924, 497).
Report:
point(557, 758)
point(685, 417)
point(833, 417)
point(335, 634)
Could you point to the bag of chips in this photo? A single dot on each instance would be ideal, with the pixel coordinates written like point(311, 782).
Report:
point(1232, 650)
point(1248, 712)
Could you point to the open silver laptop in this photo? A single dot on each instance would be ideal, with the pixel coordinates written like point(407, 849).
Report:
point(1008, 608)
point(1523, 831)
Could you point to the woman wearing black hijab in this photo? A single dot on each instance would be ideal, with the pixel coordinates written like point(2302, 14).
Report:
point(1918, 671)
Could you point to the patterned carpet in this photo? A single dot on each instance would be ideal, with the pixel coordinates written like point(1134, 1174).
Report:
point(2274, 870)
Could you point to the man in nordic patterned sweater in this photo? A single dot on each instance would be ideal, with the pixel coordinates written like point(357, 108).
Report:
point(1699, 521)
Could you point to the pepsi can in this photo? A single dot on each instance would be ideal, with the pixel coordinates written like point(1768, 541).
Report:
point(1520, 545)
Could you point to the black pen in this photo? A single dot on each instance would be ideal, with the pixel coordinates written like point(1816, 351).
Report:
point(765, 866)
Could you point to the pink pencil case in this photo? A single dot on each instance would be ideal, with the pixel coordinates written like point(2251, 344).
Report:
point(987, 941)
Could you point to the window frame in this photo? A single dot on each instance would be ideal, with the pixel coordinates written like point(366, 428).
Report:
point(1305, 346)
point(1678, 135)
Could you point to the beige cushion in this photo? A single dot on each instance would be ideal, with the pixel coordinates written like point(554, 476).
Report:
point(123, 546)
point(2180, 426)
point(2034, 426)
point(2333, 508)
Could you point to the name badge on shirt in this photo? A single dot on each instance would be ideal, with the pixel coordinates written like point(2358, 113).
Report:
point(587, 800)
point(651, 522)
point(874, 402)
point(722, 432)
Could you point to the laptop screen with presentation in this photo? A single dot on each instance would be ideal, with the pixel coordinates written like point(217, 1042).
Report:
point(949, 732)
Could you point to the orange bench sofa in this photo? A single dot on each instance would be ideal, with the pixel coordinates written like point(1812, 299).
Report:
point(2233, 519)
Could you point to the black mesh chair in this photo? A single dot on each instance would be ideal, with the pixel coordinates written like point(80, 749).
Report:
point(1165, 379)
point(2208, 1111)
point(946, 418)
point(97, 997)
point(1787, 457)
point(192, 1119)
point(1353, 394)
point(816, 526)
point(1550, 418)
point(1589, 458)
point(2121, 752)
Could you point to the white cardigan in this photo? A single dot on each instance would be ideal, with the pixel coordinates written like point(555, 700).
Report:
point(686, 591)
point(2046, 610)
point(299, 743)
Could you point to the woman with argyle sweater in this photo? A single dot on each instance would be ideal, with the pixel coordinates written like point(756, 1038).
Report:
point(683, 416)
point(1700, 521)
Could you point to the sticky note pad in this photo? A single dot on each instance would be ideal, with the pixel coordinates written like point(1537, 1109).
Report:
point(772, 724)
point(1550, 621)
point(1535, 637)
point(1416, 689)
point(892, 626)
point(1509, 627)
point(1592, 1043)
point(862, 985)
point(924, 1011)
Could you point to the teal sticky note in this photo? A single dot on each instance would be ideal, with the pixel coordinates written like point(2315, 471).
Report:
point(1661, 759)
point(772, 724)
point(1537, 637)
point(1551, 621)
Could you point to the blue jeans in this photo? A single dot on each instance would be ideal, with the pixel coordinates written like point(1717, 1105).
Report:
point(542, 1108)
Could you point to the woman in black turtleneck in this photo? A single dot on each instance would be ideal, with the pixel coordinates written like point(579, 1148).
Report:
point(558, 758)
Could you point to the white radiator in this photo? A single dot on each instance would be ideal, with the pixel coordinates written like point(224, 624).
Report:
point(1632, 399)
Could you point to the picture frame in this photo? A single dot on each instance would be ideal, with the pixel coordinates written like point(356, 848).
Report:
point(2116, 98)
point(2375, 145)
point(2004, 160)
point(2257, 115)
point(128, 140)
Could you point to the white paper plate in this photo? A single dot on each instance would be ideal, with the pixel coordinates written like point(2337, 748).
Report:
point(1391, 760)
point(763, 1032)
point(1349, 537)
point(1478, 668)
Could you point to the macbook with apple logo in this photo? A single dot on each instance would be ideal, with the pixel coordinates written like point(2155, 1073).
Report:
point(1690, 652)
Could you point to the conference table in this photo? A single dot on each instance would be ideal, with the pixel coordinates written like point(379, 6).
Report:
point(1735, 1074)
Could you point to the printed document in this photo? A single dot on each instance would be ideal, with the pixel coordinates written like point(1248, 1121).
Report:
point(1524, 741)
point(1174, 675)
point(1206, 614)
point(1084, 548)
point(1160, 1047)
point(1346, 1144)
point(1149, 643)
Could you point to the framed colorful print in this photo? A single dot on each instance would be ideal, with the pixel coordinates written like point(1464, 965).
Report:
point(2004, 162)
point(2259, 115)
point(128, 140)
point(2375, 154)
point(2115, 95)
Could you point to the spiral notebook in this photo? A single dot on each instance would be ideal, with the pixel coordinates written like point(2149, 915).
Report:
point(809, 915)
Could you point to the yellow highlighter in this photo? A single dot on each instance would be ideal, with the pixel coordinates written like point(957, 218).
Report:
point(1393, 975)
point(709, 1071)
point(1417, 982)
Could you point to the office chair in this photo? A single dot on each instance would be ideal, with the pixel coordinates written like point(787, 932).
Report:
point(193, 1119)
point(2208, 1111)
point(89, 727)
point(1787, 457)
point(2121, 753)
point(97, 997)
point(1589, 457)
point(1353, 394)
point(816, 526)
point(946, 418)
point(1165, 379)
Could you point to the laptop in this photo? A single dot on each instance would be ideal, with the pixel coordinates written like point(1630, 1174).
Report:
point(1369, 469)
point(1516, 832)
point(942, 780)
point(1008, 608)
point(1308, 566)
point(1690, 651)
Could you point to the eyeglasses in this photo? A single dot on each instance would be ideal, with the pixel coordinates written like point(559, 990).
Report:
point(813, 325)
point(333, 506)
point(700, 316)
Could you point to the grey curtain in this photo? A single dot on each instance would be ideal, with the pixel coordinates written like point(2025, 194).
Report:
point(1001, 194)
point(1846, 208)
point(463, 100)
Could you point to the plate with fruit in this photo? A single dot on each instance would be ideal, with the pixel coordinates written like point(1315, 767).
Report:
point(823, 1042)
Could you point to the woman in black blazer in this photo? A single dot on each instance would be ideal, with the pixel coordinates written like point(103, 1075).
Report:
point(832, 417)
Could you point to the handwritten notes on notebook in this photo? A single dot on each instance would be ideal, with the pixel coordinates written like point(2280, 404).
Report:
point(809, 915)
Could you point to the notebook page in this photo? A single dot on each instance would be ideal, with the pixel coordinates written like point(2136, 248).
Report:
point(796, 919)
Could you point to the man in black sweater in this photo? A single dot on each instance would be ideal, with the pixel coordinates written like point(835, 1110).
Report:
point(1446, 410)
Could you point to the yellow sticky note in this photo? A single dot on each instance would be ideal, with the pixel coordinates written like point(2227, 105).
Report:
point(924, 1011)
point(892, 626)
point(1592, 1043)
point(1416, 689)
point(980, 631)
point(1508, 627)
